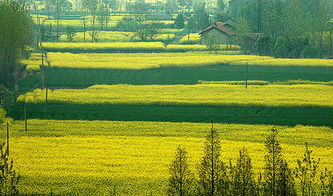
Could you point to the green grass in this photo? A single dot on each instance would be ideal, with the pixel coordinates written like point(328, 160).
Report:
point(96, 157)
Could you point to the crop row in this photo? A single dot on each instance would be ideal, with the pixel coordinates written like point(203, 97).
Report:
point(128, 47)
point(150, 60)
point(111, 36)
point(200, 94)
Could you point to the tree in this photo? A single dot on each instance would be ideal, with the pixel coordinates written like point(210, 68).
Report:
point(212, 171)
point(221, 17)
point(128, 24)
point(137, 7)
point(8, 177)
point(281, 48)
point(148, 31)
point(181, 179)
point(221, 5)
point(277, 175)
point(243, 182)
point(92, 7)
point(70, 33)
point(15, 33)
point(103, 15)
point(242, 29)
point(200, 18)
point(180, 21)
point(307, 172)
point(58, 7)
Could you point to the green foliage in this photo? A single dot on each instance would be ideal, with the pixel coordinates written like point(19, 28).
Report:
point(242, 176)
point(180, 21)
point(8, 177)
point(199, 20)
point(307, 173)
point(148, 31)
point(277, 176)
point(281, 47)
point(213, 179)
point(70, 34)
point(127, 24)
point(15, 31)
point(221, 16)
point(181, 180)
point(326, 182)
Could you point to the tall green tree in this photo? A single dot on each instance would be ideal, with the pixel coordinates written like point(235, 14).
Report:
point(180, 21)
point(277, 176)
point(213, 179)
point(15, 34)
point(243, 182)
point(242, 29)
point(221, 5)
point(181, 179)
point(307, 173)
point(200, 18)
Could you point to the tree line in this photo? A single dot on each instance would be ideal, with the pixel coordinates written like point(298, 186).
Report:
point(215, 177)
point(16, 29)
point(287, 28)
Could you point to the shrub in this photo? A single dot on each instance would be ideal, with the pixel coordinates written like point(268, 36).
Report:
point(8, 177)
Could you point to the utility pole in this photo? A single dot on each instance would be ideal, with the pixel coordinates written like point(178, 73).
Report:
point(25, 117)
point(331, 42)
point(46, 97)
point(246, 75)
point(43, 70)
point(7, 150)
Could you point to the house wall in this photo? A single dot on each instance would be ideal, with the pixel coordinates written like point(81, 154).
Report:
point(214, 36)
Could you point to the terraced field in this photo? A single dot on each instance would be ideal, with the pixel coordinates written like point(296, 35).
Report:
point(112, 121)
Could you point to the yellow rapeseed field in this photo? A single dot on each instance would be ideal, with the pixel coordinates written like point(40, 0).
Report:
point(193, 38)
point(114, 36)
point(200, 94)
point(104, 46)
point(34, 62)
point(156, 60)
point(96, 157)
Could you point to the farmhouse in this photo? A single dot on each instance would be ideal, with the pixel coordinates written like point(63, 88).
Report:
point(218, 33)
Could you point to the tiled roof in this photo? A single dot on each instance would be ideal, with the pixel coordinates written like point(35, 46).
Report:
point(221, 26)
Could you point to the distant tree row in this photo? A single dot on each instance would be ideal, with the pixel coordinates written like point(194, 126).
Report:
point(288, 28)
point(215, 177)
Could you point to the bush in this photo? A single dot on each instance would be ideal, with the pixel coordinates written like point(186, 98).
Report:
point(8, 177)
